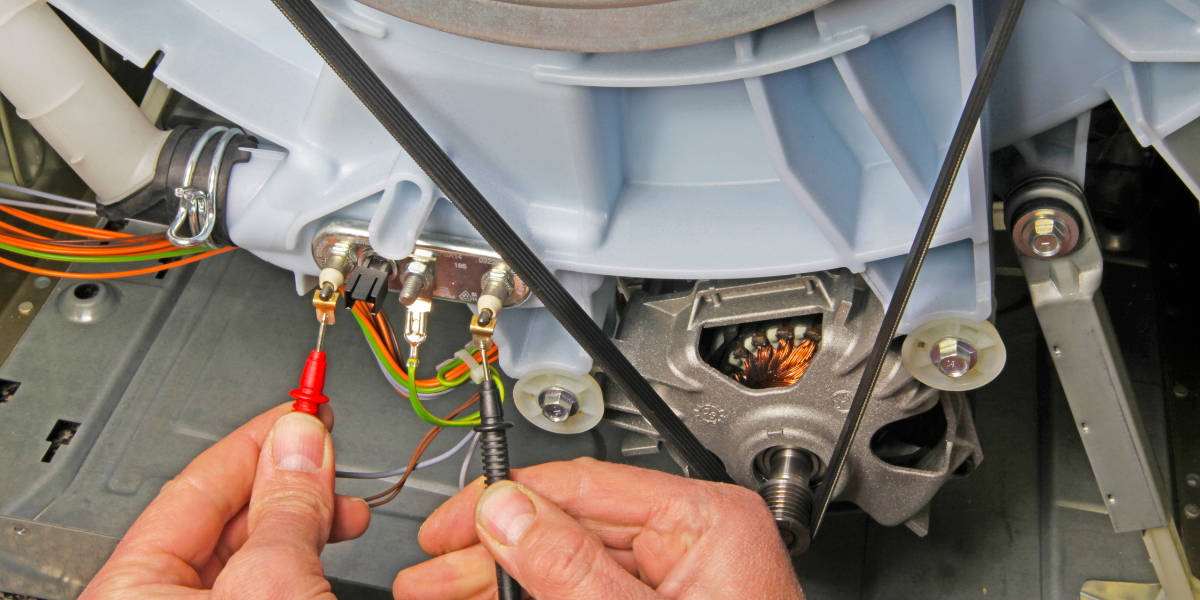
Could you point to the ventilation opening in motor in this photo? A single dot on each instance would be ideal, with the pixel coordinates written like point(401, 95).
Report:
point(906, 442)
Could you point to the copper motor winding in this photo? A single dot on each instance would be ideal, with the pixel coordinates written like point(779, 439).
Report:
point(772, 367)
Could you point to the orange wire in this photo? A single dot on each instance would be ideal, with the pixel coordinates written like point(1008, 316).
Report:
point(66, 275)
point(73, 250)
point(493, 354)
point(4, 225)
point(56, 225)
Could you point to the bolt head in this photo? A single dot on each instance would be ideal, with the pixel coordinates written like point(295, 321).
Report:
point(1193, 480)
point(1192, 511)
point(954, 357)
point(1045, 233)
point(558, 404)
point(25, 308)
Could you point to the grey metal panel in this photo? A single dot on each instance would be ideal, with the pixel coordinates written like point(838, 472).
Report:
point(1075, 322)
point(76, 372)
point(49, 562)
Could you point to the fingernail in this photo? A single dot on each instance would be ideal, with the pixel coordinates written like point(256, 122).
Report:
point(298, 443)
point(505, 513)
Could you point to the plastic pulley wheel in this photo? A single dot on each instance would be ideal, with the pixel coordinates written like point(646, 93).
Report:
point(971, 353)
point(579, 401)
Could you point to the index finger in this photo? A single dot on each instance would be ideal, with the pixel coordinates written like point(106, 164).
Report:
point(595, 493)
point(182, 525)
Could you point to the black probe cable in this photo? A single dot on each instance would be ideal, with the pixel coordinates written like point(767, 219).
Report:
point(973, 109)
point(494, 448)
point(470, 202)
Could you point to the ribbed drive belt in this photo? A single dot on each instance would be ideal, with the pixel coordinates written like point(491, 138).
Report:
point(458, 189)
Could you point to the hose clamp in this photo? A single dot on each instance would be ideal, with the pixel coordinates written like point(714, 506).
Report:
point(199, 207)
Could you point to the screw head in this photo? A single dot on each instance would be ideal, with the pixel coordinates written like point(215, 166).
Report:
point(1045, 233)
point(1192, 511)
point(20, 530)
point(25, 308)
point(1193, 480)
point(1179, 390)
point(954, 357)
point(558, 404)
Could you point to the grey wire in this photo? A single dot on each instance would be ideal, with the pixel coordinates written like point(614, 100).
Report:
point(46, 195)
point(402, 470)
point(51, 208)
point(462, 473)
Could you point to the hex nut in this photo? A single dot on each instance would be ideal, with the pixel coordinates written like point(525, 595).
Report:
point(558, 404)
point(954, 357)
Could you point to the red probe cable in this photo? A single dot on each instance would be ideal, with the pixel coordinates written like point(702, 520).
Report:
point(309, 395)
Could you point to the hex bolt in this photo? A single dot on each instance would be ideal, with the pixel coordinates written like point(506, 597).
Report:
point(558, 404)
point(1044, 224)
point(954, 357)
point(416, 278)
point(1192, 511)
point(787, 472)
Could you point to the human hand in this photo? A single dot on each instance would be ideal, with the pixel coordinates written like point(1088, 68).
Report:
point(247, 519)
point(588, 529)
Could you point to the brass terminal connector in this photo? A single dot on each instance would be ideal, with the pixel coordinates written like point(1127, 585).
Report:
point(325, 306)
point(481, 335)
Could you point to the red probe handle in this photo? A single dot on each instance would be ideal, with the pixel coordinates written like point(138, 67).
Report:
point(312, 382)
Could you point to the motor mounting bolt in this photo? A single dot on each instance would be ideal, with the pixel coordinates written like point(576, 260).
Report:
point(558, 404)
point(954, 357)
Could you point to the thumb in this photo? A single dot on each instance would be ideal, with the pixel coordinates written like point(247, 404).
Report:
point(291, 512)
point(552, 556)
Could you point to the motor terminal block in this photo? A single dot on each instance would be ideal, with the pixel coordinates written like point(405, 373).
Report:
point(368, 282)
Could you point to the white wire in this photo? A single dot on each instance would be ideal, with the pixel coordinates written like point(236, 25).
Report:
point(46, 195)
point(462, 473)
point(49, 207)
point(402, 470)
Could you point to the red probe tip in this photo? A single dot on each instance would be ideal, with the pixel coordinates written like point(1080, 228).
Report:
point(308, 396)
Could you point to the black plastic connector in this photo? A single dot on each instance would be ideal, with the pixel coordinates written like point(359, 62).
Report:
point(368, 282)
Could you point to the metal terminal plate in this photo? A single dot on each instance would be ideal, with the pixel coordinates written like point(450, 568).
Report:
point(459, 265)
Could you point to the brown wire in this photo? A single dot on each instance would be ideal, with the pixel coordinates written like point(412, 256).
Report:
point(768, 367)
point(379, 499)
point(383, 326)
